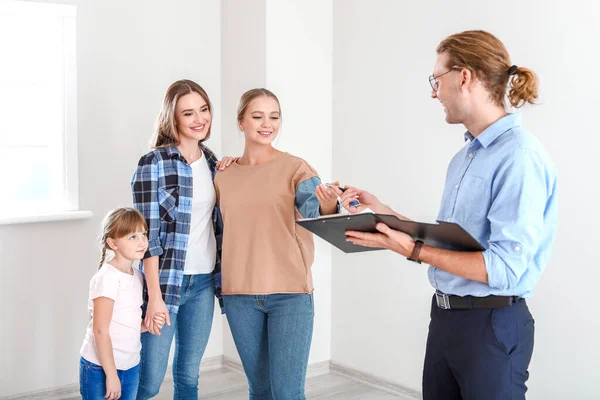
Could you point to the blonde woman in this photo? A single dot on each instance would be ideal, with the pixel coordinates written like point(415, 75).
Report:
point(267, 258)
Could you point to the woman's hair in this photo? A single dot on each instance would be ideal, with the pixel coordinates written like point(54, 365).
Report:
point(166, 134)
point(485, 55)
point(250, 95)
point(118, 223)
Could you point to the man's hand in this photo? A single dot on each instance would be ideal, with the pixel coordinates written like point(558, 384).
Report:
point(366, 199)
point(388, 238)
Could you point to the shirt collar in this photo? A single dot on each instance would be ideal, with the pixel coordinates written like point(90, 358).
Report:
point(174, 152)
point(493, 131)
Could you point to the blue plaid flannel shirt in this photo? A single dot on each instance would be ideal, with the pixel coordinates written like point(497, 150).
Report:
point(162, 192)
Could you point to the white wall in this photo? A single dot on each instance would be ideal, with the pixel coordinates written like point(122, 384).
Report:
point(243, 62)
point(391, 138)
point(128, 54)
point(299, 72)
point(266, 43)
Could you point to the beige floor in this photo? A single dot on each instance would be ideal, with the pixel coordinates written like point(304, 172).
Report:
point(225, 384)
point(229, 384)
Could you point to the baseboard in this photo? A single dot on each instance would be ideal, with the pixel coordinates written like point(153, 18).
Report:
point(210, 363)
point(206, 364)
point(374, 381)
point(72, 391)
point(314, 369)
point(58, 393)
point(321, 368)
point(232, 365)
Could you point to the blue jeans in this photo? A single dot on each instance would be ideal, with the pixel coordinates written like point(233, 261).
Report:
point(272, 334)
point(92, 381)
point(478, 353)
point(191, 328)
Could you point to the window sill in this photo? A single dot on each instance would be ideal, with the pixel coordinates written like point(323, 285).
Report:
point(46, 217)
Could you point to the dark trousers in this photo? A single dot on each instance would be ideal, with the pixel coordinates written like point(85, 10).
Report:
point(478, 354)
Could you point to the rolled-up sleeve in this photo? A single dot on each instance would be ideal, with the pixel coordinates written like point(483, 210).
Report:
point(520, 193)
point(144, 187)
point(306, 198)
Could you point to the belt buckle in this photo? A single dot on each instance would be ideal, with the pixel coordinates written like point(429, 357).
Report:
point(443, 301)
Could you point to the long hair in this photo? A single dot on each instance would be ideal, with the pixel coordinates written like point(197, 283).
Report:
point(485, 55)
point(119, 223)
point(165, 134)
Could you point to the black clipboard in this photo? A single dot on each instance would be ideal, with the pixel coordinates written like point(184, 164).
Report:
point(445, 235)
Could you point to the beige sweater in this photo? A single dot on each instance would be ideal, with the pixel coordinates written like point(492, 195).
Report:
point(264, 250)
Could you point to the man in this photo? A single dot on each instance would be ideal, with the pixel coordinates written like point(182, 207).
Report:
point(501, 188)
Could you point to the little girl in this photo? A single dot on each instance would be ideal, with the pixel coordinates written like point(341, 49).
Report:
point(110, 354)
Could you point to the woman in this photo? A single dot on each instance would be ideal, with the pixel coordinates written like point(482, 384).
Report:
point(267, 258)
point(173, 188)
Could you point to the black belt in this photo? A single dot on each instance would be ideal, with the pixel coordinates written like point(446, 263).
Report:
point(451, 302)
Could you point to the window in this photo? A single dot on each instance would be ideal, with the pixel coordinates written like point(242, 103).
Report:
point(38, 109)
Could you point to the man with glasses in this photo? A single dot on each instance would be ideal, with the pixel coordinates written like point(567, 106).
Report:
point(501, 187)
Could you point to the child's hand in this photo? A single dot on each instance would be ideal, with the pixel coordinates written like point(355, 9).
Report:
point(159, 320)
point(113, 387)
point(327, 199)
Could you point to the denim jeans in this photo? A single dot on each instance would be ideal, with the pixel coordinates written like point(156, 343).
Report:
point(191, 329)
point(92, 381)
point(272, 334)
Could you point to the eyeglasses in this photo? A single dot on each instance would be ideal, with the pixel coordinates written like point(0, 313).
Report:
point(433, 80)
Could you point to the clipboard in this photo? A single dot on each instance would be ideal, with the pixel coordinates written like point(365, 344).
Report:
point(445, 235)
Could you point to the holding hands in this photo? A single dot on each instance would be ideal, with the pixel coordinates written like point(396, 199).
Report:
point(158, 321)
point(156, 316)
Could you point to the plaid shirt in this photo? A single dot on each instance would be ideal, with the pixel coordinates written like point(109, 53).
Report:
point(162, 191)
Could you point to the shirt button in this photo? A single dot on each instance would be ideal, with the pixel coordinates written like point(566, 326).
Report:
point(456, 187)
point(448, 219)
point(517, 248)
point(470, 155)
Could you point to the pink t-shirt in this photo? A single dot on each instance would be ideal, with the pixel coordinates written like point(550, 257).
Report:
point(125, 326)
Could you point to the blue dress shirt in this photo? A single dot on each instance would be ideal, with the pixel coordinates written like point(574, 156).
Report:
point(502, 189)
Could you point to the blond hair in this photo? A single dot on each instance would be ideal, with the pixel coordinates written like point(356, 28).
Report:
point(250, 95)
point(119, 223)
